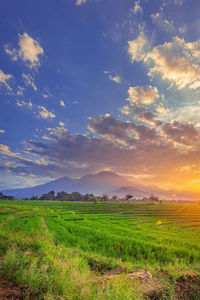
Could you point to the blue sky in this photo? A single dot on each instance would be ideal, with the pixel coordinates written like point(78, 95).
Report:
point(93, 85)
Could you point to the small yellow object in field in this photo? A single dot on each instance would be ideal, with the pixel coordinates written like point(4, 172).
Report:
point(159, 222)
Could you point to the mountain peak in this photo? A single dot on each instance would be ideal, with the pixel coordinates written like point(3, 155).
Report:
point(107, 173)
point(104, 178)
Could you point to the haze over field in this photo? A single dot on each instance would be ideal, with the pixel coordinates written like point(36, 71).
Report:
point(94, 85)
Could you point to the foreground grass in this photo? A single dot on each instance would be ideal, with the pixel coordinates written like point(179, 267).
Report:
point(61, 250)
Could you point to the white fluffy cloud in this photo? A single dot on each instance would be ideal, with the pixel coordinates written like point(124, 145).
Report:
point(62, 103)
point(142, 95)
point(176, 61)
point(29, 50)
point(138, 48)
point(4, 79)
point(44, 113)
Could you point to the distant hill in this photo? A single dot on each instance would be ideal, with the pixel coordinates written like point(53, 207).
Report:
point(57, 185)
point(98, 184)
point(139, 191)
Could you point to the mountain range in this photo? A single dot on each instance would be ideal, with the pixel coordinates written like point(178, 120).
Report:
point(98, 184)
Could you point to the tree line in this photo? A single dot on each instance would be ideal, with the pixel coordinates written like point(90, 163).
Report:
point(4, 197)
point(76, 196)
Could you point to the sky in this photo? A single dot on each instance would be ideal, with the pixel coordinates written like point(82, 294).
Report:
point(100, 85)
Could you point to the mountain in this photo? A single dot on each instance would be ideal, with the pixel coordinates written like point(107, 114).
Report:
point(58, 185)
point(98, 183)
point(102, 182)
point(136, 192)
point(139, 191)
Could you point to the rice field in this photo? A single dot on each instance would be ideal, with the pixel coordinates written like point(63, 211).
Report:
point(62, 250)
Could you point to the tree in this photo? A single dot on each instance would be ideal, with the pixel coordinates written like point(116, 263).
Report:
point(128, 197)
point(49, 196)
point(34, 198)
point(104, 198)
point(62, 196)
point(114, 198)
point(154, 199)
point(92, 198)
point(4, 197)
point(76, 196)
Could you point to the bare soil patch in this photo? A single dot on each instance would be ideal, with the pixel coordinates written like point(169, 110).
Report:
point(9, 291)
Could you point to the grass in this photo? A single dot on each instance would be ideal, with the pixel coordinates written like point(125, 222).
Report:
point(60, 250)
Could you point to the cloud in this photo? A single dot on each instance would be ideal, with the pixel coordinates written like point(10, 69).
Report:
point(12, 52)
point(121, 132)
point(181, 134)
point(137, 8)
point(4, 78)
point(120, 146)
point(23, 103)
point(116, 78)
point(124, 147)
point(80, 2)
point(29, 81)
point(55, 133)
point(62, 103)
point(29, 50)
point(178, 2)
point(162, 22)
point(20, 90)
point(142, 95)
point(162, 110)
point(4, 150)
point(2, 130)
point(138, 48)
point(177, 61)
point(185, 114)
point(44, 113)
point(148, 118)
point(126, 110)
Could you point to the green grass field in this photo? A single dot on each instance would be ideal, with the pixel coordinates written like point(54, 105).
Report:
point(62, 250)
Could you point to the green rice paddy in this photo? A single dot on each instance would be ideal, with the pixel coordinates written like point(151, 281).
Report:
point(62, 250)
